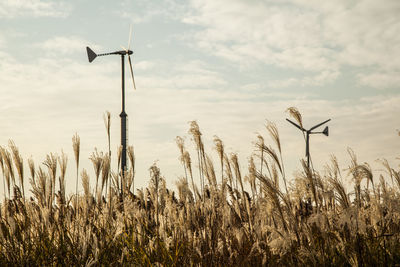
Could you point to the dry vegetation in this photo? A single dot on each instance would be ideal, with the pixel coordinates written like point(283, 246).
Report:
point(259, 218)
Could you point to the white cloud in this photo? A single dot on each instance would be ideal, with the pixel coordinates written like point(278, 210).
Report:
point(143, 11)
point(33, 8)
point(302, 35)
point(369, 27)
point(322, 78)
point(66, 45)
point(259, 31)
point(139, 17)
point(380, 80)
point(144, 65)
point(181, 75)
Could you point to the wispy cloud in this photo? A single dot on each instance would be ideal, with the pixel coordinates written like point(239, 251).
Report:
point(65, 45)
point(1, 41)
point(144, 65)
point(380, 80)
point(259, 31)
point(302, 35)
point(180, 75)
point(33, 8)
point(143, 11)
point(319, 79)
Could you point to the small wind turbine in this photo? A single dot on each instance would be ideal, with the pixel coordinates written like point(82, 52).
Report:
point(91, 56)
point(308, 132)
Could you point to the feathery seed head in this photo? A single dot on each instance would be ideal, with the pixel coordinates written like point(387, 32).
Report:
point(51, 164)
point(260, 141)
point(31, 165)
point(76, 143)
point(219, 146)
point(131, 156)
point(180, 142)
point(107, 121)
point(8, 163)
point(195, 132)
point(273, 131)
point(155, 175)
point(294, 113)
point(105, 171)
point(18, 161)
point(62, 161)
point(97, 160)
point(1, 159)
point(85, 182)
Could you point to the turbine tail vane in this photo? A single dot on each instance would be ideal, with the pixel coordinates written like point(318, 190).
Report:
point(91, 54)
point(326, 131)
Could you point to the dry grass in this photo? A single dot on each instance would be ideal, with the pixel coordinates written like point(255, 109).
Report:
point(314, 221)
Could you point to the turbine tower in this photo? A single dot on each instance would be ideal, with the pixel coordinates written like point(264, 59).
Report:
point(308, 132)
point(126, 52)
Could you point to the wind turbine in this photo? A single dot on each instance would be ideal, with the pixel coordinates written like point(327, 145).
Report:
point(126, 52)
point(308, 132)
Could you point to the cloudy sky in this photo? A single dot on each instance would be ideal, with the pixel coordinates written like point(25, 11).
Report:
point(229, 64)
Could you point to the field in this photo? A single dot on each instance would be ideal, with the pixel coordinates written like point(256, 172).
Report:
point(260, 217)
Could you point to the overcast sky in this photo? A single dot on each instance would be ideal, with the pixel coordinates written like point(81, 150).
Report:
point(229, 64)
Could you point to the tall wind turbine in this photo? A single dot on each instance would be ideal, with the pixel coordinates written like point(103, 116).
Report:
point(126, 52)
point(308, 132)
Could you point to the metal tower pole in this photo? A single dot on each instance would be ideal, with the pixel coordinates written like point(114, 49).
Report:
point(123, 116)
point(308, 149)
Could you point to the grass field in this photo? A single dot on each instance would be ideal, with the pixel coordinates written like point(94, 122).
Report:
point(260, 217)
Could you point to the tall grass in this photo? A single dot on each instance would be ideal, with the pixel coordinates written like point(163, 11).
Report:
point(313, 221)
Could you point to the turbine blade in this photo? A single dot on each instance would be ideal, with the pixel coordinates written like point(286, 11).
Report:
point(316, 126)
point(130, 37)
point(301, 128)
point(130, 67)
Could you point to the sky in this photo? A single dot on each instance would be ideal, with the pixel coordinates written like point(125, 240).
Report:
point(231, 65)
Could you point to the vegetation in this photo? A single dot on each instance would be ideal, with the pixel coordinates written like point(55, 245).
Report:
point(258, 219)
